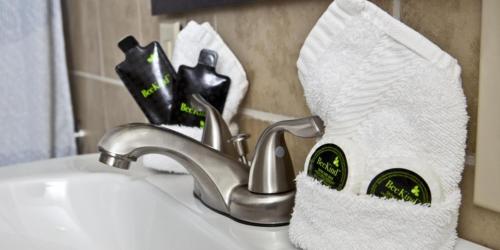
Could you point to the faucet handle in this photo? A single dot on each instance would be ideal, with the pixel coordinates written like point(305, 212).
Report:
point(216, 133)
point(272, 170)
point(239, 142)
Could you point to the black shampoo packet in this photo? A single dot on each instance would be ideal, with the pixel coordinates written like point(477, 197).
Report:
point(151, 79)
point(202, 79)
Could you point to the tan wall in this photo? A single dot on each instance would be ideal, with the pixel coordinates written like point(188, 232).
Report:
point(488, 125)
point(266, 37)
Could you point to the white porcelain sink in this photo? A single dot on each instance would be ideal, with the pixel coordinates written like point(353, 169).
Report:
point(78, 203)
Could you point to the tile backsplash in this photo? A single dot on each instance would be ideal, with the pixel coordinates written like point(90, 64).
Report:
point(266, 36)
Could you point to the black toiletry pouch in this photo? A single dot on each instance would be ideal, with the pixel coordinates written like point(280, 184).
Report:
point(204, 80)
point(150, 78)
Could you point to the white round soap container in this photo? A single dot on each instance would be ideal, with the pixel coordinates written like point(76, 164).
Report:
point(413, 164)
point(355, 157)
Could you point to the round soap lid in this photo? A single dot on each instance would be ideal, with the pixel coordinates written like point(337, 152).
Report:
point(404, 181)
point(328, 164)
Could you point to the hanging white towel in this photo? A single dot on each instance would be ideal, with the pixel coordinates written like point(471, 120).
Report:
point(190, 41)
point(380, 85)
point(36, 119)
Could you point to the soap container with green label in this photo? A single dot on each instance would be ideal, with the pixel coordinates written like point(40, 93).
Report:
point(337, 162)
point(396, 214)
point(150, 78)
point(402, 178)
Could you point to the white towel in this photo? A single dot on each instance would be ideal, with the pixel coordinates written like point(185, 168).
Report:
point(36, 121)
point(190, 41)
point(326, 219)
point(380, 84)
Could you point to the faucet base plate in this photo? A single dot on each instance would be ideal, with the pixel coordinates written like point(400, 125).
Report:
point(239, 220)
point(258, 210)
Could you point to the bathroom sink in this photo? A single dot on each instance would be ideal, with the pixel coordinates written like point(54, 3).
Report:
point(78, 203)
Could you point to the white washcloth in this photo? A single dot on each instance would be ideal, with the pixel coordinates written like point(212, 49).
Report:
point(380, 84)
point(190, 41)
point(36, 121)
point(326, 219)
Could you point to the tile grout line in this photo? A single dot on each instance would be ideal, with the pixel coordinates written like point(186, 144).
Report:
point(105, 108)
point(97, 77)
point(265, 116)
point(99, 38)
point(215, 23)
point(396, 9)
point(470, 160)
point(139, 19)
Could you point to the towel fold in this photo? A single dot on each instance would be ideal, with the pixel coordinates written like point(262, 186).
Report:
point(190, 41)
point(326, 219)
point(380, 85)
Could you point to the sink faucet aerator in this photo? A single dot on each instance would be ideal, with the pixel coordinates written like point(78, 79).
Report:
point(114, 161)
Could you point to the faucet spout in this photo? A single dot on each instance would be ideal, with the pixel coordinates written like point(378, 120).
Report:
point(216, 175)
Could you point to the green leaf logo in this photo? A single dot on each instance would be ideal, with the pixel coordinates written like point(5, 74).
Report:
point(153, 57)
point(416, 191)
point(336, 161)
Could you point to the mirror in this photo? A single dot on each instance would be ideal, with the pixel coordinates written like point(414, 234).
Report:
point(176, 6)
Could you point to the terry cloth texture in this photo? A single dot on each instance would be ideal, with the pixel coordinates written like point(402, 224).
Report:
point(390, 93)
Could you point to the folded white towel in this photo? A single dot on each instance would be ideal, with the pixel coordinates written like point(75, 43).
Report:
point(326, 219)
point(190, 41)
point(379, 84)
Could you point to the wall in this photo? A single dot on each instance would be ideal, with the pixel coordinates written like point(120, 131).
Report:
point(266, 37)
point(488, 127)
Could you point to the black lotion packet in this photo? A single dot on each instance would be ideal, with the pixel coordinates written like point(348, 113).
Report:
point(164, 95)
point(204, 80)
point(150, 78)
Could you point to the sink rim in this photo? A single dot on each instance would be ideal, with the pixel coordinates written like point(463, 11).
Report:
point(167, 183)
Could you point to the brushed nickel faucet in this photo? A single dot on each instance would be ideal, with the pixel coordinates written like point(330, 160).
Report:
point(259, 192)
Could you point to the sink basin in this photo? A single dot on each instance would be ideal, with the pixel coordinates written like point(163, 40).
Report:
point(77, 203)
